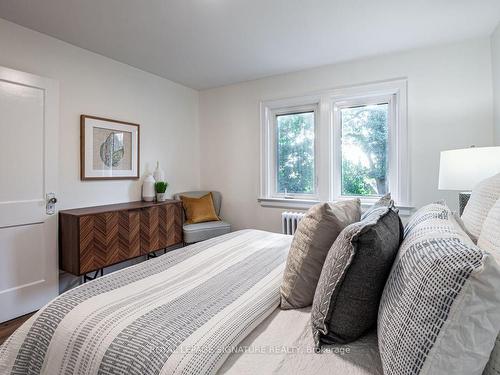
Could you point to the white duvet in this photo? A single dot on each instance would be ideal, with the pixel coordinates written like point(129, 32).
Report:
point(283, 344)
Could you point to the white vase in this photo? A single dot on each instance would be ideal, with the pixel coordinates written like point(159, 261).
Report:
point(158, 174)
point(161, 197)
point(148, 188)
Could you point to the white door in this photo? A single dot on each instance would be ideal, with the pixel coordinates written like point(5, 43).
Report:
point(28, 173)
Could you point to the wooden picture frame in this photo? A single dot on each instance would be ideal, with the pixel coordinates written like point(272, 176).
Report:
point(109, 149)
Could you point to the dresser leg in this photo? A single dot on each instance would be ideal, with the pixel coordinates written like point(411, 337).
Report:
point(154, 255)
point(86, 277)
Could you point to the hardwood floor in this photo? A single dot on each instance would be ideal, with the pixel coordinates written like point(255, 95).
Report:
point(7, 328)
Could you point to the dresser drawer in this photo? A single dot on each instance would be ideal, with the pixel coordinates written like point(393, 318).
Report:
point(161, 227)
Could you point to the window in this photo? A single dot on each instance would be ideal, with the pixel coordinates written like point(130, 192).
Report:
point(295, 153)
point(364, 150)
point(341, 143)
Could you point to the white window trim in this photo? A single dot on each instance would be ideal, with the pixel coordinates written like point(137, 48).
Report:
point(269, 110)
point(327, 144)
point(300, 204)
point(394, 93)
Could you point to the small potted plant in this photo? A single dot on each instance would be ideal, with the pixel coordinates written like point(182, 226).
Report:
point(161, 188)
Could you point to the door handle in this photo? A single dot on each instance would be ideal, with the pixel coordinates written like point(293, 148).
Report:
point(50, 205)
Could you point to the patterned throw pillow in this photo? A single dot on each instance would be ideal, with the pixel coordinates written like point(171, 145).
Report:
point(489, 240)
point(354, 274)
point(441, 304)
point(483, 197)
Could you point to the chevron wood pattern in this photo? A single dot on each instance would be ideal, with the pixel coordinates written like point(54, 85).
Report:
point(99, 238)
point(150, 231)
point(101, 247)
point(129, 235)
point(161, 227)
point(173, 224)
point(86, 243)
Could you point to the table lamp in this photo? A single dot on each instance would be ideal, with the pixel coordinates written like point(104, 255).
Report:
point(462, 169)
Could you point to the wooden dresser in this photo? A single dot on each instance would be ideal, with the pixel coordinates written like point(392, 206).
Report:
point(96, 237)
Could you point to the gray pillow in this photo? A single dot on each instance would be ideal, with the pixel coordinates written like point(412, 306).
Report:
point(354, 274)
point(315, 234)
point(384, 201)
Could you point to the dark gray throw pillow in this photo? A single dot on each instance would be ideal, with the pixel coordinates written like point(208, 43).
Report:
point(356, 268)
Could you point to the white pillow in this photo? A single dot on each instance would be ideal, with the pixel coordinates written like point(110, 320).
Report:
point(489, 240)
point(483, 197)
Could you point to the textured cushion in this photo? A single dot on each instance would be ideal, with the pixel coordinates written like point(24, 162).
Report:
point(384, 201)
point(315, 234)
point(461, 224)
point(483, 197)
point(354, 274)
point(199, 210)
point(441, 303)
point(204, 231)
point(489, 240)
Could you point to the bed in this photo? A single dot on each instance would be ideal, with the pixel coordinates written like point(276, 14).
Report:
point(206, 308)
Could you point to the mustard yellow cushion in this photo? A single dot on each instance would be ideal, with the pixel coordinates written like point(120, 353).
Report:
point(199, 210)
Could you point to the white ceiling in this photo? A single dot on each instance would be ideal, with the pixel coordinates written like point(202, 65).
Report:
point(209, 43)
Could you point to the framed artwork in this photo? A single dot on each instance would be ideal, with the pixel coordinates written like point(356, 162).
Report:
point(109, 149)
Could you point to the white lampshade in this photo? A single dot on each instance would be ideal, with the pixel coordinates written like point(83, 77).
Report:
point(462, 169)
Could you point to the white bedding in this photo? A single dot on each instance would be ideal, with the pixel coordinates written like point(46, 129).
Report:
point(176, 314)
point(285, 342)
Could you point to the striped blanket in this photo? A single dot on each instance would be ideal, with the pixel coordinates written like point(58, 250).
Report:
point(182, 312)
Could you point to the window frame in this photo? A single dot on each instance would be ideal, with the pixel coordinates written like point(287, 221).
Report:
point(274, 164)
point(328, 153)
point(337, 149)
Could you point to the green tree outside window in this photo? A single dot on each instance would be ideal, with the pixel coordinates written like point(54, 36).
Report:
point(364, 150)
point(295, 153)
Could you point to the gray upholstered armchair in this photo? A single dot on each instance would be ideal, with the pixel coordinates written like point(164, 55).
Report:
point(203, 231)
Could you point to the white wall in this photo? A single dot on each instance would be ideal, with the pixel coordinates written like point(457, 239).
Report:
point(449, 106)
point(95, 85)
point(495, 66)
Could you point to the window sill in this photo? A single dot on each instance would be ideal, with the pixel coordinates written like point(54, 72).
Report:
point(305, 204)
point(299, 204)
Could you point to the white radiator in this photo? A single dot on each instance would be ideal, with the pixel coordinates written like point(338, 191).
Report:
point(289, 221)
